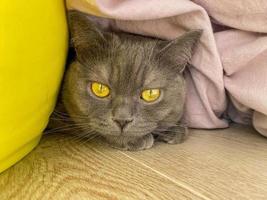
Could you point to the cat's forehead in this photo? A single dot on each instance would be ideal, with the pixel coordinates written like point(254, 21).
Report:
point(128, 64)
point(129, 76)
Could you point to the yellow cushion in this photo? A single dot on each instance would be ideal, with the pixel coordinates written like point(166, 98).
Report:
point(33, 47)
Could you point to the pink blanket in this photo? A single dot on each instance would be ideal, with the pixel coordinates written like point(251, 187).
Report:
point(229, 77)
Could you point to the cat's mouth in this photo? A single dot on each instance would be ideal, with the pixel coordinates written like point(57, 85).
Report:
point(123, 124)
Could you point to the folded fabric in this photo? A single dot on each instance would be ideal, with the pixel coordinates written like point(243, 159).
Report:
point(244, 58)
point(232, 60)
point(243, 53)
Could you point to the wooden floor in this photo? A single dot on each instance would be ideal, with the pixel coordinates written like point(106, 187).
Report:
point(223, 164)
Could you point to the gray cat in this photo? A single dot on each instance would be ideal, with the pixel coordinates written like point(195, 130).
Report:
point(127, 88)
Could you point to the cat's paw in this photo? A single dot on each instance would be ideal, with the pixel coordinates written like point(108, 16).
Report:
point(131, 143)
point(174, 135)
point(142, 143)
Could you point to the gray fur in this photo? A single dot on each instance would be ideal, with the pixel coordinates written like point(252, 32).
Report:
point(128, 64)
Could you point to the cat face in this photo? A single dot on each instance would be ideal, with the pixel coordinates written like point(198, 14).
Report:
point(123, 84)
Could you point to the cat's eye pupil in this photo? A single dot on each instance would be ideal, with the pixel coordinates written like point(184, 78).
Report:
point(150, 95)
point(100, 90)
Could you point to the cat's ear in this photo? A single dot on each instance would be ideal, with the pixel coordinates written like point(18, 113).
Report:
point(179, 51)
point(85, 35)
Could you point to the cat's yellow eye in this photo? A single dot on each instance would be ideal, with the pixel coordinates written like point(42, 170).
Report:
point(150, 95)
point(100, 90)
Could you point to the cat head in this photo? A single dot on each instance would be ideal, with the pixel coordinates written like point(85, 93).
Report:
point(124, 84)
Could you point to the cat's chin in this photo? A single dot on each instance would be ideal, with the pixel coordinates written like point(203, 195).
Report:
point(131, 143)
point(124, 134)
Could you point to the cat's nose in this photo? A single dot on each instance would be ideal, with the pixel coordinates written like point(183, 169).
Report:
point(122, 123)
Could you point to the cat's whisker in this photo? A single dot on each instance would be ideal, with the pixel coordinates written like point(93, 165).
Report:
point(87, 139)
point(58, 131)
point(62, 120)
point(62, 114)
point(84, 135)
point(63, 127)
point(79, 138)
point(67, 127)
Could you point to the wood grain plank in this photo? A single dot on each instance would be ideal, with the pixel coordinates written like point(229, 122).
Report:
point(221, 164)
point(60, 168)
